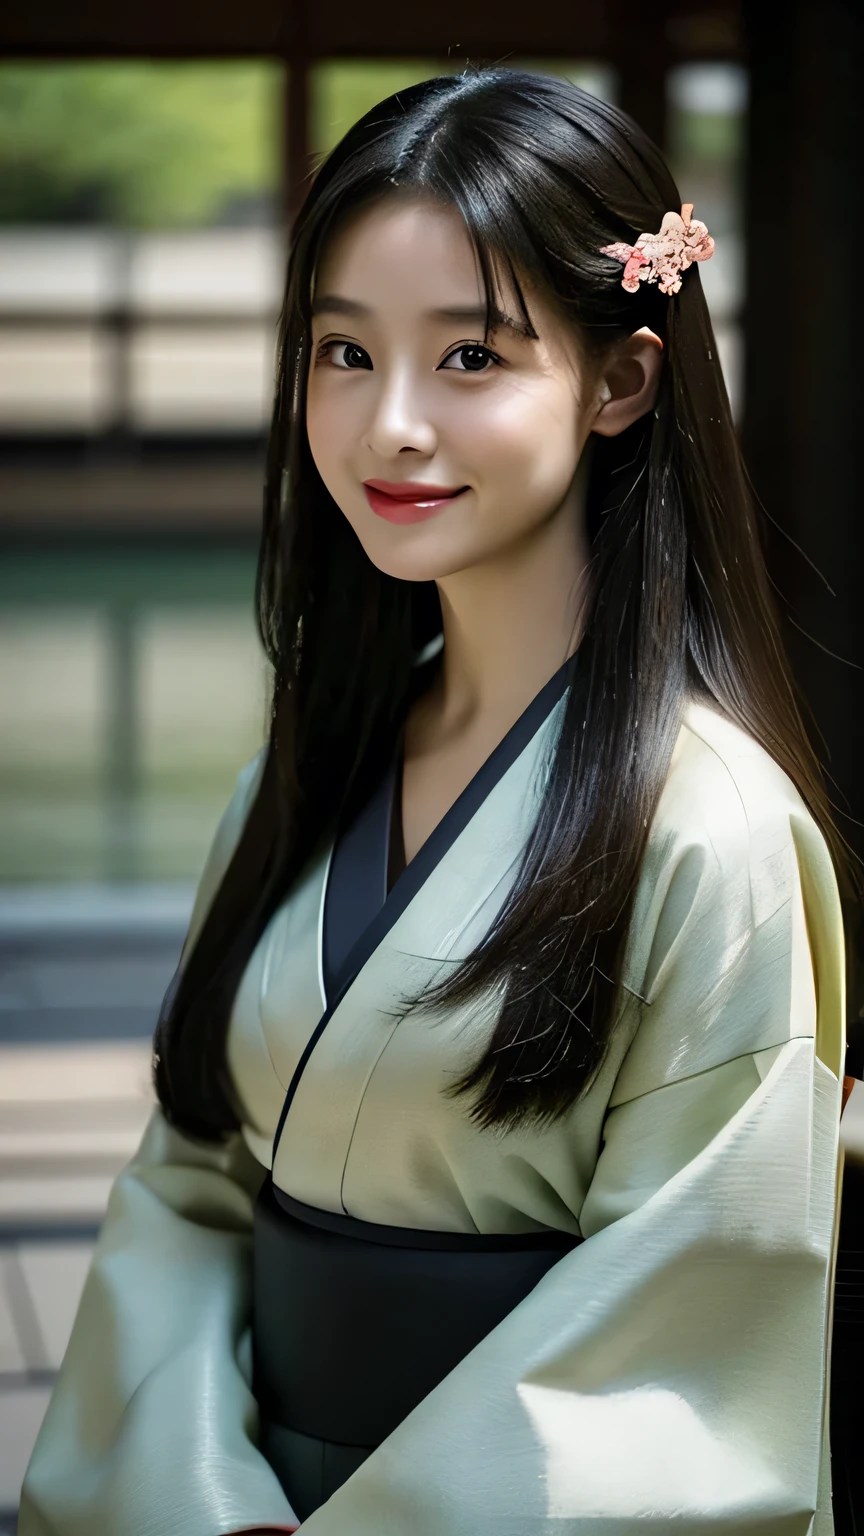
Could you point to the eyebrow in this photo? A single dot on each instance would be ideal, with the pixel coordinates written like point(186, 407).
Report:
point(336, 304)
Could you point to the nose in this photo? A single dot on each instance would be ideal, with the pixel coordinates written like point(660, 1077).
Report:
point(400, 418)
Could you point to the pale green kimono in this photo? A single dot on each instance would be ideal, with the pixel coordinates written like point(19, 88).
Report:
point(670, 1370)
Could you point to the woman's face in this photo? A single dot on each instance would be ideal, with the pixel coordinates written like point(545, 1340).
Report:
point(404, 393)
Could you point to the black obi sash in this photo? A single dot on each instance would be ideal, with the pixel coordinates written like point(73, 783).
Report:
point(355, 1322)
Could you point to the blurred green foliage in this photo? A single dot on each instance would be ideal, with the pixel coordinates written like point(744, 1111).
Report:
point(708, 138)
point(144, 145)
point(139, 145)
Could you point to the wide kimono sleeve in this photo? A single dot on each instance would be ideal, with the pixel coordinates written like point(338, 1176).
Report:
point(150, 1427)
point(669, 1373)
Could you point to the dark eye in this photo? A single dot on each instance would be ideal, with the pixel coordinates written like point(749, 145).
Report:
point(473, 358)
point(346, 354)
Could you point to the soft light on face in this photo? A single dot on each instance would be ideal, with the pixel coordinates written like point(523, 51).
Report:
point(403, 388)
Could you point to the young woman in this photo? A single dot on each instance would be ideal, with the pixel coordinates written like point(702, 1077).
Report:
point(491, 1188)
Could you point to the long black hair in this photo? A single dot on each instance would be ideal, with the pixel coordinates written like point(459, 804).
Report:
point(543, 175)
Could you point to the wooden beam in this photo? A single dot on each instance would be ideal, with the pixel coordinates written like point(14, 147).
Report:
point(385, 28)
point(485, 30)
point(161, 28)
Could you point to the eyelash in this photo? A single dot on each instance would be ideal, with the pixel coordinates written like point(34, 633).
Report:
point(479, 346)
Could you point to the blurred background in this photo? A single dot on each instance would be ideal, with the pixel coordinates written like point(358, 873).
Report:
point(149, 167)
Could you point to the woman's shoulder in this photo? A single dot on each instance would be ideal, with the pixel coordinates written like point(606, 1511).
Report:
point(728, 798)
point(723, 782)
point(225, 840)
point(729, 810)
point(249, 778)
point(239, 805)
point(233, 818)
point(737, 895)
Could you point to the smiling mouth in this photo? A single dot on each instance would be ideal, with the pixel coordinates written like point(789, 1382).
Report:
point(413, 507)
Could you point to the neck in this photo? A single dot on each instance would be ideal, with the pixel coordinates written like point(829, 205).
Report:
point(509, 624)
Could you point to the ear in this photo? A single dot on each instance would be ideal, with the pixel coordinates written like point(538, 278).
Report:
point(628, 382)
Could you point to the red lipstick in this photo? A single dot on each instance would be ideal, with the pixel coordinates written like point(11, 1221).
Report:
point(409, 501)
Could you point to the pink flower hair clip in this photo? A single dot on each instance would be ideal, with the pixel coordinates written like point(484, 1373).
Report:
point(661, 258)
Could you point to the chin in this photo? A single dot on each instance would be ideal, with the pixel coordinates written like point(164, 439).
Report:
point(418, 553)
